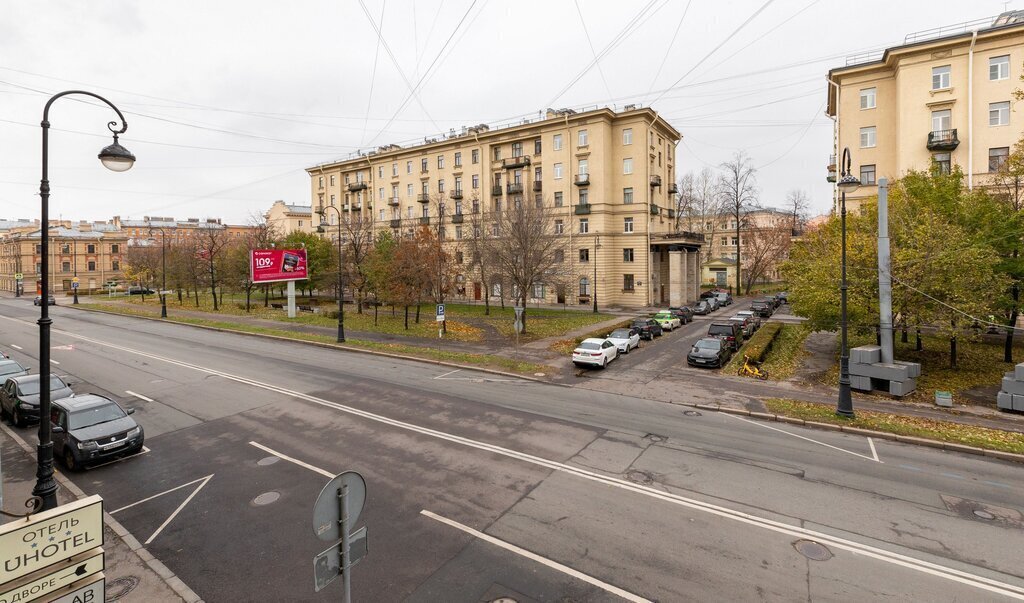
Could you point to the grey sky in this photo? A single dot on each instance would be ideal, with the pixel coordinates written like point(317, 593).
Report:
point(226, 102)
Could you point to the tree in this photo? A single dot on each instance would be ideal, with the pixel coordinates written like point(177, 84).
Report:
point(766, 247)
point(380, 269)
point(357, 235)
point(798, 203)
point(141, 265)
point(407, 281)
point(480, 245)
point(321, 263)
point(212, 242)
point(1008, 182)
point(739, 196)
point(704, 210)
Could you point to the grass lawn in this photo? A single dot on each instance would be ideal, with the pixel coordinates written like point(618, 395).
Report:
point(784, 356)
point(945, 431)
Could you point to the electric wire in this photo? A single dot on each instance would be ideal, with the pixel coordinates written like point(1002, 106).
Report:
point(668, 50)
point(373, 74)
point(590, 43)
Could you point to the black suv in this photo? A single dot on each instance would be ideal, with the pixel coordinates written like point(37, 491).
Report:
point(19, 397)
point(648, 327)
point(683, 313)
point(729, 332)
point(92, 428)
point(762, 308)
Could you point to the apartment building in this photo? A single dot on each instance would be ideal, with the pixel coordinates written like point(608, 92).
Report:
point(608, 178)
point(944, 95)
point(93, 252)
point(178, 232)
point(286, 218)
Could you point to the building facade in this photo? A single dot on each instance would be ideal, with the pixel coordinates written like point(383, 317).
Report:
point(765, 236)
point(286, 218)
point(945, 95)
point(178, 232)
point(606, 178)
point(92, 252)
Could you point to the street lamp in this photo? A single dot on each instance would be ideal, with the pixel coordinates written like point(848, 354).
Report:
point(74, 262)
point(163, 270)
point(116, 158)
point(597, 244)
point(848, 182)
point(322, 228)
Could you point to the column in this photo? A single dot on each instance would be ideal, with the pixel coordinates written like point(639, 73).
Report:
point(684, 278)
point(675, 278)
point(693, 286)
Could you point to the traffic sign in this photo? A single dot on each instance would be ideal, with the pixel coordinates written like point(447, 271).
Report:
point(327, 509)
point(74, 284)
point(327, 565)
point(19, 276)
point(74, 279)
point(440, 312)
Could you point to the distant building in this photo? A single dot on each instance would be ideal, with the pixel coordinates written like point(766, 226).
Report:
point(764, 233)
point(286, 218)
point(944, 95)
point(178, 232)
point(94, 252)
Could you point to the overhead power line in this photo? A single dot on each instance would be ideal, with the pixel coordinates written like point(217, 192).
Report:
point(669, 49)
point(373, 73)
point(590, 43)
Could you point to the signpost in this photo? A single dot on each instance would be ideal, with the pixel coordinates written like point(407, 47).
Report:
point(440, 319)
point(336, 510)
point(74, 283)
point(276, 265)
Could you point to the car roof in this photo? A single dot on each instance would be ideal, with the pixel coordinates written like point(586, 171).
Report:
point(715, 339)
point(82, 402)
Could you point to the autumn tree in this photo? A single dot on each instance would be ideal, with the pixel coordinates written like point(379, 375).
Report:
point(765, 247)
point(738, 188)
point(480, 245)
point(1008, 187)
point(321, 258)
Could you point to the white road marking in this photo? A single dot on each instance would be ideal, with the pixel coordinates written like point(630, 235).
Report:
point(140, 396)
point(149, 498)
point(535, 557)
point(445, 377)
point(16, 346)
point(446, 374)
point(857, 548)
point(863, 456)
point(178, 510)
point(285, 457)
point(54, 361)
point(874, 452)
point(118, 460)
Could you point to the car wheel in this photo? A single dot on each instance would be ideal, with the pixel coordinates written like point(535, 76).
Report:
point(69, 460)
point(604, 363)
point(17, 419)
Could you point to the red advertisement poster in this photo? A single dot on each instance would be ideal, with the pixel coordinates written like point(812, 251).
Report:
point(271, 265)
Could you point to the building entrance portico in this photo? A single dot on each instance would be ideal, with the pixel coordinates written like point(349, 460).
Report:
point(675, 269)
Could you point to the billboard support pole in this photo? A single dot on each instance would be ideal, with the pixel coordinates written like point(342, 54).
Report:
point(291, 299)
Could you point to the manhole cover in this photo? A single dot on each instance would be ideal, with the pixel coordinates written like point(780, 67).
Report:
point(984, 514)
point(692, 413)
point(504, 600)
point(640, 477)
point(266, 498)
point(120, 587)
point(812, 550)
point(268, 460)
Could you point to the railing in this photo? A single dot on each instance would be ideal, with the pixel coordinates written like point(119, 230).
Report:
point(942, 140)
point(515, 162)
point(396, 223)
point(654, 210)
point(514, 188)
point(496, 190)
point(356, 186)
point(456, 194)
point(582, 209)
point(394, 201)
point(673, 189)
point(457, 218)
point(424, 220)
point(949, 30)
point(538, 186)
point(582, 179)
point(831, 163)
point(423, 198)
point(655, 181)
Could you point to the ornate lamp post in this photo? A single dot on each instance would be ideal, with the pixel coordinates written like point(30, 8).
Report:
point(322, 228)
point(848, 182)
point(116, 158)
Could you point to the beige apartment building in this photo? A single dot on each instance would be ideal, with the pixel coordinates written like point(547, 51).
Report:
point(286, 218)
point(608, 178)
point(93, 252)
point(945, 95)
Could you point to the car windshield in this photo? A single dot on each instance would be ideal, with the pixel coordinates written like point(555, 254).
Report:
point(95, 415)
point(720, 330)
point(590, 345)
point(9, 368)
point(640, 323)
point(708, 344)
point(620, 333)
point(31, 388)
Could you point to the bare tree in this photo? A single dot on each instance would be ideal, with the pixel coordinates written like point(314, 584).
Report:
point(685, 203)
point(357, 236)
point(798, 203)
point(212, 243)
point(766, 248)
point(480, 244)
point(739, 196)
point(703, 210)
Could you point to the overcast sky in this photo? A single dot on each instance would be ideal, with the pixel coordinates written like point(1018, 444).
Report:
point(227, 102)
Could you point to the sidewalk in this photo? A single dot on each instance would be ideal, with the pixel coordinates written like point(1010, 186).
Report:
point(132, 574)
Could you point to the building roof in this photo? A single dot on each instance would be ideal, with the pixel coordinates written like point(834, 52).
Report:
point(9, 224)
point(306, 210)
point(66, 233)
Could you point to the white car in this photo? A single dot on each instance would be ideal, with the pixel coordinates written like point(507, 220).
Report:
point(751, 315)
point(595, 352)
point(625, 339)
point(667, 320)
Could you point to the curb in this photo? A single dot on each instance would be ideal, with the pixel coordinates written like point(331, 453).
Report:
point(174, 582)
point(335, 346)
point(880, 435)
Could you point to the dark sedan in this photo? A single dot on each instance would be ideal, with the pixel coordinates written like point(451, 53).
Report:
point(19, 397)
point(703, 308)
point(710, 351)
point(762, 308)
point(92, 428)
point(683, 313)
point(648, 327)
point(50, 301)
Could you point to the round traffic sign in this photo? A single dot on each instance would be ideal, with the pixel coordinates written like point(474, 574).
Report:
point(327, 509)
point(74, 279)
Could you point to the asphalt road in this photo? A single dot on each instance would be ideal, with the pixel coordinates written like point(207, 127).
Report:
point(481, 487)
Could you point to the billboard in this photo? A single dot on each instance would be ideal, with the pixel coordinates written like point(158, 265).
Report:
point(272, 265)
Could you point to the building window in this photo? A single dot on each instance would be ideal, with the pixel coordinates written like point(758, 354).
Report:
point(999, 113)
point(115, 248)
point(627, 165)
point(497, 153)
point(408, 167)
point(91, 266)
point(725, 240)
point(458, 159)
point(627, 195)
point(942, 163)
point(559, 200)
point(300, 223)
point(380, 193)
point(942, 120)
point(321, 185)
point(999, 68)
point(440, 162)
point(556, 142)
point(940, 77)
point(332, 179)
point(997, 158)
point(536, 174)
point(584, 255)
point(394, 169)
point(559, 227)
point(497, 205)
point(380, 171)
point(867, 137)
point(458, 256)
point(496, 290)
point(90, 248)
point(332, 200)
point(558, 171)
point(65, 266)
point(867, 98)
point(627, 254)
point(440, 185)
point(517, 149)
point(627, 225)
point(584, 167)
point(380, 215)
point(115, 265)
point(426, 210)
point(475, 156)
point(584, 197)
point(581, 138)
point(627, 282)
point(584, 286)
point(458, 233)
point(494, 229)
point(867, 174)
point(559, 256)
point(536, 147)
point(627, 136)
point(423, 164)
point(476, 180)
point(538, 291)
point(584, 226)
point(409, 190)
point(408, 211)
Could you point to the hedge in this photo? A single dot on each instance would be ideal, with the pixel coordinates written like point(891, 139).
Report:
point(761, 342)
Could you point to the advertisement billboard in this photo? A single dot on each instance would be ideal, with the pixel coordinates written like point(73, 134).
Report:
point(272, 265)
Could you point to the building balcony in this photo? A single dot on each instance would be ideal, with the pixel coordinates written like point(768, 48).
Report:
point(582, 180)
point(655, 181)
point(654, 209)
point(425, 220)
point(831, 163)
point(456, 194)
point(423, 198)
point(456, 218)
point(515, 162)
point(394, 201)
point(671, 213)
point(356, 186)
point(514, 188)
point(831, 177)
point(396, 223)
point(538, 186)
point(582, 209)
point(496, 190)
point(673, 189)
point(346, 207)
point(943, 140)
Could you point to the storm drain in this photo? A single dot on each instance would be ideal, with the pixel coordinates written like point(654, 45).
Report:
point(812, 550)
point(692, 413)
point(120, 587)
point(984, 514)
point(268, 460)
point(266, 498)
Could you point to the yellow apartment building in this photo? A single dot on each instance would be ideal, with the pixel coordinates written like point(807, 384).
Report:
point(93, 252)
point(608, 178)
point(945, 95)
point(286, 218)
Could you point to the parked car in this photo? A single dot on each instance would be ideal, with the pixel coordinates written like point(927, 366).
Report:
point(92, 428)
point(730, 332)
point(668, 320)
point(11, 368)
point(595, 352)
point(707, 294)
point(761, 308)
point(709, 351)
point(724, 298)
point(139, 290)
point(753, 316)
point(625, 339)
point(648, 327)
point(746, 325)
point(683, 313)
point(50, 301)
point(782, 296)
point(713, 302)
point(703, 308)
point(19, 397)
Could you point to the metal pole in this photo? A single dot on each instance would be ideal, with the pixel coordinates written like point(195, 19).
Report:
point(845, 406)
point(597, 243)
point(884, 274)
point(341, 288)
point(346, 566)
point(74, 258)
point(46, 486)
